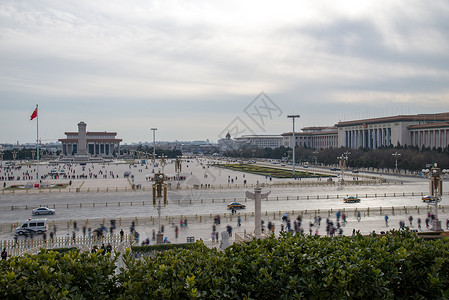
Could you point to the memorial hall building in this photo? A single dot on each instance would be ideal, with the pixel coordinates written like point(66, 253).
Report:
point(97, 143)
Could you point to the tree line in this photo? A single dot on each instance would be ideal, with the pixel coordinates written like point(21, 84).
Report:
point(409, 157)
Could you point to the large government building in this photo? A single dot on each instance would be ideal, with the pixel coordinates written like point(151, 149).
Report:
point(428, 130)
point(84, 143)
point(422, 130)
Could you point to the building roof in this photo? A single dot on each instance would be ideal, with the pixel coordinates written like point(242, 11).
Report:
point(329, 132)
point(399, 118)
point(90, 140)
point(92, 133)
point(432, 125)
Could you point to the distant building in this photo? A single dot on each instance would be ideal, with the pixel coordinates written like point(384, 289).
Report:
point(259, 141)
point(83, 143)
point(313, 137)
point(428, 130)
point(226, 144)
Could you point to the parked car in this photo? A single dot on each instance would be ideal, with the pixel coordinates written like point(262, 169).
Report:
point(43, 211)
point(236, 205)
point(38, 226)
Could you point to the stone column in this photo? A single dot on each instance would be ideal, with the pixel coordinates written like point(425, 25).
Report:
point(257, 196)
point(82, 150)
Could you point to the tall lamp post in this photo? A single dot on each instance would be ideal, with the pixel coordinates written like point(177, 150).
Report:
point(436, 190)
point(159, 200)
point(343, 162)
point(154, 146)
point(316, 158)
point(293, 117)
point(396, 157)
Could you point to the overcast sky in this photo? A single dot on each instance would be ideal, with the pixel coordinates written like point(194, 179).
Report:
point(196, 69)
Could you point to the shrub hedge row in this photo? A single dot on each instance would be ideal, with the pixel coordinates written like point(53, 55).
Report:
point(269, 171)
point(398, 265)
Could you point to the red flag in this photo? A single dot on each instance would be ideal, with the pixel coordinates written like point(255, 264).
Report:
point(34, 114)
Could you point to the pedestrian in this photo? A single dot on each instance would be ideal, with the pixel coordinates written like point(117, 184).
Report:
point(15, 240)
point(51, 236)
point(386, 220)
point(109, 248)
point(75, 225)
point(239, 221)
point(359, 216)
point(4, 254)
point(122, 233)
point(103, 248)
point(419, 223)
point(176, 231)
point(410, 220)
point(229, 230)
point(427, 222)
point(84, 231)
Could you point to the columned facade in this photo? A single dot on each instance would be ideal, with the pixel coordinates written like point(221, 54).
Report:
point(430, 135)
point(313, 137)
point(420, 130)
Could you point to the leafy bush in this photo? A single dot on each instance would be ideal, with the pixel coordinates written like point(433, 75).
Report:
point(53, 275)
point(399, 265)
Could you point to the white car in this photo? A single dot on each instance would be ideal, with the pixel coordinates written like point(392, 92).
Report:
point(43, 211)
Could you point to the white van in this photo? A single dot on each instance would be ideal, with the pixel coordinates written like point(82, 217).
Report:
point(36, 225)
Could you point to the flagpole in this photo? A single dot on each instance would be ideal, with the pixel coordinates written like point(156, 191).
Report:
point(37, 144)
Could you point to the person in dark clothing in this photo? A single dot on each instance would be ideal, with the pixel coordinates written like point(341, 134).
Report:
point(4, 254)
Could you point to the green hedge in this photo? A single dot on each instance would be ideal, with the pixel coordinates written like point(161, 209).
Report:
point(396, 266)
point(163, 247)
point(269, 171)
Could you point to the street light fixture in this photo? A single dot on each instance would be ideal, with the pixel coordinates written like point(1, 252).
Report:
point(396, 156)
point(436, 190)
point(154, 146)
point(343, 159)
point(293, 117)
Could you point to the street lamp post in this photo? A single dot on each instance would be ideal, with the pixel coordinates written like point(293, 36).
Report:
point(159, 200)
point(436, 190)
point(343, 159)
point(293, 117)
point(154, 146)
point(396, 156)
point(316, 158)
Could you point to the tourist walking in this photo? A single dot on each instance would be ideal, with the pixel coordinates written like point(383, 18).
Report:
point(386, 220)
point(4, 254)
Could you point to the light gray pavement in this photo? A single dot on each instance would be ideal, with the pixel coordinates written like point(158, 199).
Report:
point(197, 172)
